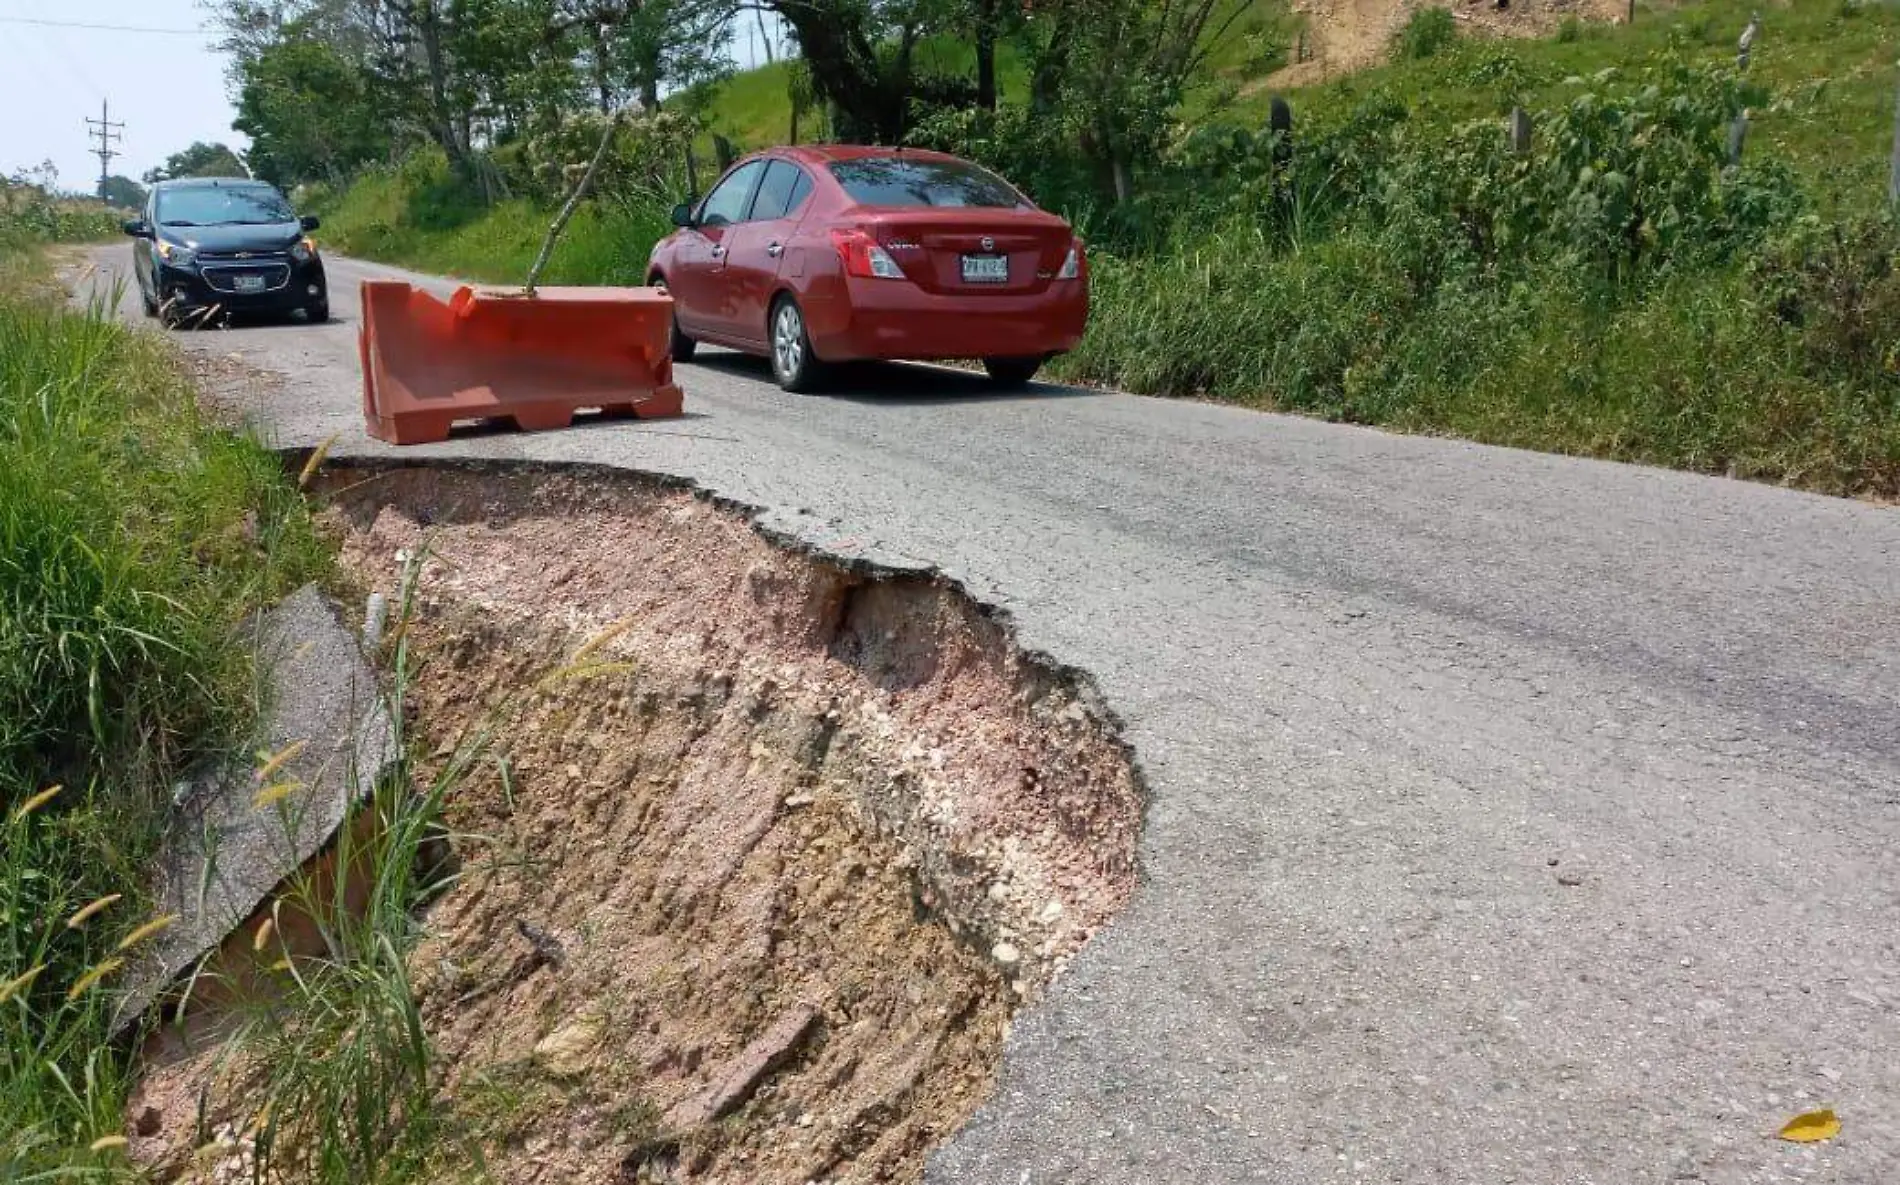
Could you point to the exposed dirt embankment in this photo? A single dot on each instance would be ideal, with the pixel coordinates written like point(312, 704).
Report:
point(764, 873)
point(1343, 36)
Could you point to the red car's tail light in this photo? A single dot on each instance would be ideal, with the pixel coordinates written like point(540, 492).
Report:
point(1072, 265)
point(863, 257)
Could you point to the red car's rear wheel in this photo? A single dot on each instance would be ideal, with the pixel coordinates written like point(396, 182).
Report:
point(1012, 372)
point(794, 365)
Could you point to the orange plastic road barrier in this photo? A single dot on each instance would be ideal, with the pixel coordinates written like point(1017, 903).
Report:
point(491, 353)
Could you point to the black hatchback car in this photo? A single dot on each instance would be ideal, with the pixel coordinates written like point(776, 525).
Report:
point(216, 245)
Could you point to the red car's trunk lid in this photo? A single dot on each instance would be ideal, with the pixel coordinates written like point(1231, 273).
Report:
point(932, 246)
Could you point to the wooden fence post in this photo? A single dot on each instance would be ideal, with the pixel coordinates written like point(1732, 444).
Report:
point(1893, 176)
point(1737, 137)
point(1280, 121)
point(1520, 131)
point(1744, 46)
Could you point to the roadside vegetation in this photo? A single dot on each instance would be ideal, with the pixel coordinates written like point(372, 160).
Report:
point(1648, 279)
point(135, 538)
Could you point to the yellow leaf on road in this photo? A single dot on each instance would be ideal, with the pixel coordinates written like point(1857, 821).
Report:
point(1811, 1127)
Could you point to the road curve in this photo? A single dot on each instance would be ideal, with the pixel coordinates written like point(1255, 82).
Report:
point(1515, 817)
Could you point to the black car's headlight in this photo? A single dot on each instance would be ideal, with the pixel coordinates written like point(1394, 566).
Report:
point(176, 255)
point(304, 251)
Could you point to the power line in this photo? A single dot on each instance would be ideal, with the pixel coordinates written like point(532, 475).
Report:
point(55, 44)
point(46, 24)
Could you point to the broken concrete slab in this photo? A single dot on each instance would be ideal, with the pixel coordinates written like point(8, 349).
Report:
point(225, 854)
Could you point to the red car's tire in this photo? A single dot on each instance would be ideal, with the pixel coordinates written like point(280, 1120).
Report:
point(1012, 372)
point(794, 365)
point(681, 347)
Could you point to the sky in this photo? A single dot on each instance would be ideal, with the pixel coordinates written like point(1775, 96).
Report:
point(167, 88)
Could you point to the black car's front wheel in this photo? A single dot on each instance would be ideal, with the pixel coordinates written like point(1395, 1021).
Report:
point(317, 313)
point(148, 303)
point(794, 365)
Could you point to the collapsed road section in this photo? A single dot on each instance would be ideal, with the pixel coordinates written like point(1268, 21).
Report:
point(766, 849)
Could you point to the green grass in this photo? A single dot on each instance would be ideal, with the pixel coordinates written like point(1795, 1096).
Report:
point(753, 109)
point(135, 537)
point(1692, 375)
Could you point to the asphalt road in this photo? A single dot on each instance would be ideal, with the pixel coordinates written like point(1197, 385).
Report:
point(1393, 696)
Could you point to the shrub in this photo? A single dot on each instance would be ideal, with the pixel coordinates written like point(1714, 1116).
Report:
point(1838, 288)
point(1428, 32)
point(645, 163)
point(28, 215)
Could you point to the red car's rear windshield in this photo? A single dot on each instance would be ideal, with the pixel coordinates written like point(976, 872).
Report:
point(896, 181)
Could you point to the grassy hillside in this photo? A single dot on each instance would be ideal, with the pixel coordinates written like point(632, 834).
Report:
point(1619, 292)
point(417, 216)
point(1833, 63)
point(134, 538)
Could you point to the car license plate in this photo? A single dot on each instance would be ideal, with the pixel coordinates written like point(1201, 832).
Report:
point(250, 283)
point(986, 269)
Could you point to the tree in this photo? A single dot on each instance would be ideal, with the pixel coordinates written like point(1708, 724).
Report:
point(199, 160)
point(294, 139)
point(123, 192)
point(461, 74)
point(861, 55)
point(1114, 72)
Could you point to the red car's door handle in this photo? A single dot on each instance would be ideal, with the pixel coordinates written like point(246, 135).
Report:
point(773, 250)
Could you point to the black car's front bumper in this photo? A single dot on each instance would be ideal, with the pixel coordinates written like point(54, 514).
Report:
point(273, 283)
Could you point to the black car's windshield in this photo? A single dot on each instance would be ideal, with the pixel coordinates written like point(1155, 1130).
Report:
point(896, 181)
point(223, 205)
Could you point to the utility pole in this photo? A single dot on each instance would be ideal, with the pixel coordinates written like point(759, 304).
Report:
point(107, 133)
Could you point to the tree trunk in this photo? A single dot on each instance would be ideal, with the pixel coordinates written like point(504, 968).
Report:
point(442, 119)
point(986, 54)
point(649, 80)
point(1052, 64)
point(896, 86)
point(602, 89)
point(867, 104)
point(765, 39)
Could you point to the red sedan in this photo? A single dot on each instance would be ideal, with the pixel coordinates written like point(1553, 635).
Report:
point(813, 255)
